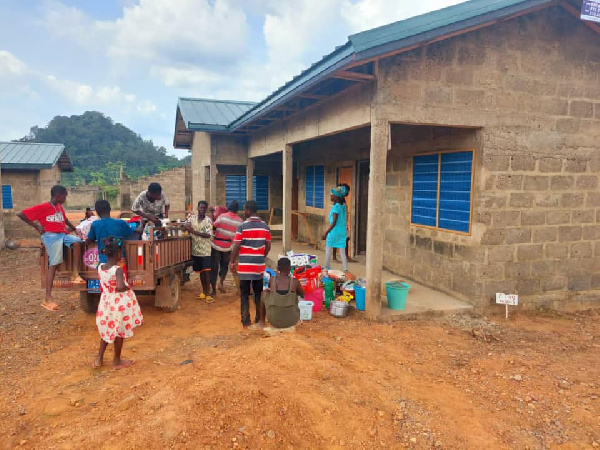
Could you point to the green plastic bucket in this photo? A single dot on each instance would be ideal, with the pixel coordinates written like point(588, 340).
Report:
point(396, 292)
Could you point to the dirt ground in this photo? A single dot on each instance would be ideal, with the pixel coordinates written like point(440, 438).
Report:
point(454, 382)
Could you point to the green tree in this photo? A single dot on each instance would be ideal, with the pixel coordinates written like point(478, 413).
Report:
point(99, 147)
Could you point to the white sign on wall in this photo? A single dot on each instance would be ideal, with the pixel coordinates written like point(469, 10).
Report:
point(590, 10)
point(507, 299)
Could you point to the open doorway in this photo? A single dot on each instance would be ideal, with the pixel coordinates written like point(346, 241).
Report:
point(362, 205)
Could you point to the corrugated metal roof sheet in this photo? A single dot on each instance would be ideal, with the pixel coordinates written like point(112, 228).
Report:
point(378, 41)
point(201, 113)
point(333, 61)
point(33, 156)
point(459, 16)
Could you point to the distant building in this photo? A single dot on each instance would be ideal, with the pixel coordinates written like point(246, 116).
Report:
point(28, 170)
point(470, 137)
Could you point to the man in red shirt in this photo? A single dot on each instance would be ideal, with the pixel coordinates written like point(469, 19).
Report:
point(226, 226)
point(252, 244)
point(52, 224)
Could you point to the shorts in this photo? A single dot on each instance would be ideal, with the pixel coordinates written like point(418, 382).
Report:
point(201, 263)
point(54, 246)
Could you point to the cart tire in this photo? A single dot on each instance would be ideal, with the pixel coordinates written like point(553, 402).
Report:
point(169, 293)
point(88, 302)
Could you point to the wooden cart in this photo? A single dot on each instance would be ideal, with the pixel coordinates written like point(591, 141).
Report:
point(156, 269)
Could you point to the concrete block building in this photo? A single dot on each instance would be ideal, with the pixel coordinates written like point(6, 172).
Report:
point(470, 137)
point(29, 170)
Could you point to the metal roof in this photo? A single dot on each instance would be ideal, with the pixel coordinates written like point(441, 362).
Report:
point(200, 114)
point(397, 35)
point(436, 24)
point(368, 45)
point(33, 156)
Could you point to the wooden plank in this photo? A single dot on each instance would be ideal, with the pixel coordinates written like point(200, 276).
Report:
point(575, 12)
point(312, 96)
point(353, 76)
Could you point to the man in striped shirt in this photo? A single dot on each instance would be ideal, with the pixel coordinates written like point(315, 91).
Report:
point(252, 243)
point(226, 226)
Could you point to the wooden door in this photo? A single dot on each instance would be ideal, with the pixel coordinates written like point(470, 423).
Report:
point(294, 208)
point(362, 205)
point(346, 176)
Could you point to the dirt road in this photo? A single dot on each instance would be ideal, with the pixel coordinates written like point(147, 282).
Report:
point(459, 382)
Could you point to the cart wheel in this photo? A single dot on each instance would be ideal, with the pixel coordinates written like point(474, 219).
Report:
point(88, 302)
point(168, 293)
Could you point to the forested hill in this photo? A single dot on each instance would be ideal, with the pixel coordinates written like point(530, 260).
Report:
point(98, 147)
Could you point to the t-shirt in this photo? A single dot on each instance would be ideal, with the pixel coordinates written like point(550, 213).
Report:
point(105, 227)
point(337, 236)
point(252, 235)
point(85, 225)
point(51, 217)
point(142, 203)
point(200, 245)
point(225, 229)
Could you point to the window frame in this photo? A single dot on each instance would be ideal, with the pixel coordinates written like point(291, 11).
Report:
point(12, 198)
point(314, 185)
point(438, 196)
point(243, 201)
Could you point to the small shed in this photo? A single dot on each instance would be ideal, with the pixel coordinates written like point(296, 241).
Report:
point(29, 170)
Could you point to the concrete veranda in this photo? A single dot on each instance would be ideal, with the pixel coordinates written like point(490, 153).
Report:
point(421, 300)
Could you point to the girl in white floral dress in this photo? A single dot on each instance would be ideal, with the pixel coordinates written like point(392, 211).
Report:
point(118, 311)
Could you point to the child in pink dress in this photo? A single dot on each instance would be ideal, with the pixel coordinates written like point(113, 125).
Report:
point(118, 311)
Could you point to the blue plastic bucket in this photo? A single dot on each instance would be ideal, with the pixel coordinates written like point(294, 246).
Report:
point(396, 292)
point(359, 297)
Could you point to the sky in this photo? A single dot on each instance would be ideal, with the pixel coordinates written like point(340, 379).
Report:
point(132, 59)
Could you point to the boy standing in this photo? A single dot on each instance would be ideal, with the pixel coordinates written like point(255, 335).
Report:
point(107, 226)
point(200, 227)
point(252, 243)
point(52, 224)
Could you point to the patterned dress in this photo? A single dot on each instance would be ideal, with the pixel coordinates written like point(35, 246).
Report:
point(118, 312)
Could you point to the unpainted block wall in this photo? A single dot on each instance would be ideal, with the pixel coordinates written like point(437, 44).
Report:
point(175, 184)
point(532, 85)
point(29, 188)
point(81, 197)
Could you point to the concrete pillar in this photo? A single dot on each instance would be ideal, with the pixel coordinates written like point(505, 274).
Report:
point(376, 226)
point(213, 184)
point(249, 179)
point(200, 160)
point(287, 197)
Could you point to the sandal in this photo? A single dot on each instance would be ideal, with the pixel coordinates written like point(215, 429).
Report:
point(208, 299)
point(50, 306)
point(201, 296)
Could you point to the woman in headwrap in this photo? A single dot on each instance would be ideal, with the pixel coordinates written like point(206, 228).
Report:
point(337, 232)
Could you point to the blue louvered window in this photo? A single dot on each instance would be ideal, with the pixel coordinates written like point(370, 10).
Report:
point(441, 195)
point(235, 189)
point(7, 199)
point(314, 188)
point(260, 191)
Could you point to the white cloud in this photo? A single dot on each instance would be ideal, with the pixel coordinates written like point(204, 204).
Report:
point(10, 64)
point(71, 23)
point(185, 76)
point(366, 14)
point(293, 30)
point(146, 107)
point(179, 31)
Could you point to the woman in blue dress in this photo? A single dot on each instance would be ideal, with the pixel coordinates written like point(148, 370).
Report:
point(337, 232)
